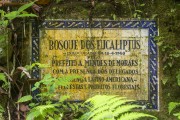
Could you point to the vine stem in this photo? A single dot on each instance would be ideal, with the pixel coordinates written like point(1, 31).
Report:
point(9, 86)
point(8, 65)
point(129, 7)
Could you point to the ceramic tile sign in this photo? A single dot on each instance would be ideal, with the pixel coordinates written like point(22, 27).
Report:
point(113, 58)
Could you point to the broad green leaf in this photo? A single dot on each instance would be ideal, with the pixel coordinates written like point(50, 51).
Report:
point(154, 16)
point(50, 118)
point(170, 64)
point(25, 99)
point(2, 13)
point(32, 104)
point(39, 65)
point(178, 77)
point(4, 23)
point(177, 114)
point(12, 15)
point(172, 106)
point(37, 84)
point(34, 88)
point(135, 15)
point(142, 5)
point(114, 17)
point(42, 65)
point(164, 80)
point(25, 6)
point(52, 88)
point(160, 43)
point(27, 15)
point(3, 78)
point(1, 109)
point(47, 77)
point(139, 11)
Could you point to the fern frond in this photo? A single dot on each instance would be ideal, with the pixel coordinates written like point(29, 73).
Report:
point(44, 108)
point(33, 114)
point(116, 99)
point(98, 110)
point(85, 116)
point(100, 100)
point(110, 107)
point(41, 111)
point(119, 103)
point(134, 116)
point(123, 109)
point(106, 115)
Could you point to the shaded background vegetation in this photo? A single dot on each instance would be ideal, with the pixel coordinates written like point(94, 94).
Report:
point(165, 12)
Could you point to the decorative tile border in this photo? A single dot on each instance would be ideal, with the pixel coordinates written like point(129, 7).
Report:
point(153, 100)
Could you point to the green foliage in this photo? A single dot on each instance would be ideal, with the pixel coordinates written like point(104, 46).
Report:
point(3, 77)
point(58, 1)
point(48, 85)
point(135, 116)
point(42, 112)
point(30, 67)
point(112, 107)
point(172, 106)
point(51, 84)
point(1, 109)
point(25, 99)
point(39, 65)
point(50, 105)
point(25, 6)
point(19, 13)
point(178, 77)
point(7, 17)
point(5, 82)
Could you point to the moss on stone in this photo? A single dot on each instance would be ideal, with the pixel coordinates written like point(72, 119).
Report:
point(4, 48)
point(73, 10)
point(103, 10)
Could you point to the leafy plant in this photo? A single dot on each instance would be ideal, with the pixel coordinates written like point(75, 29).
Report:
point(47, 107)
point(20, 12)
point(25, 98)
point(4, 80)
point(112, 108)
point(48, 85)
point(178, 77)
point(172, 106)
point(44, 111)
point(7, 17)
point(1, 109)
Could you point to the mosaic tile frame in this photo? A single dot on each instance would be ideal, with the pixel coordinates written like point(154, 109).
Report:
point(153, 100)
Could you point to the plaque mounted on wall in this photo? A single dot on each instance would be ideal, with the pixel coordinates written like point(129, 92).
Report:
point(113, 57)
